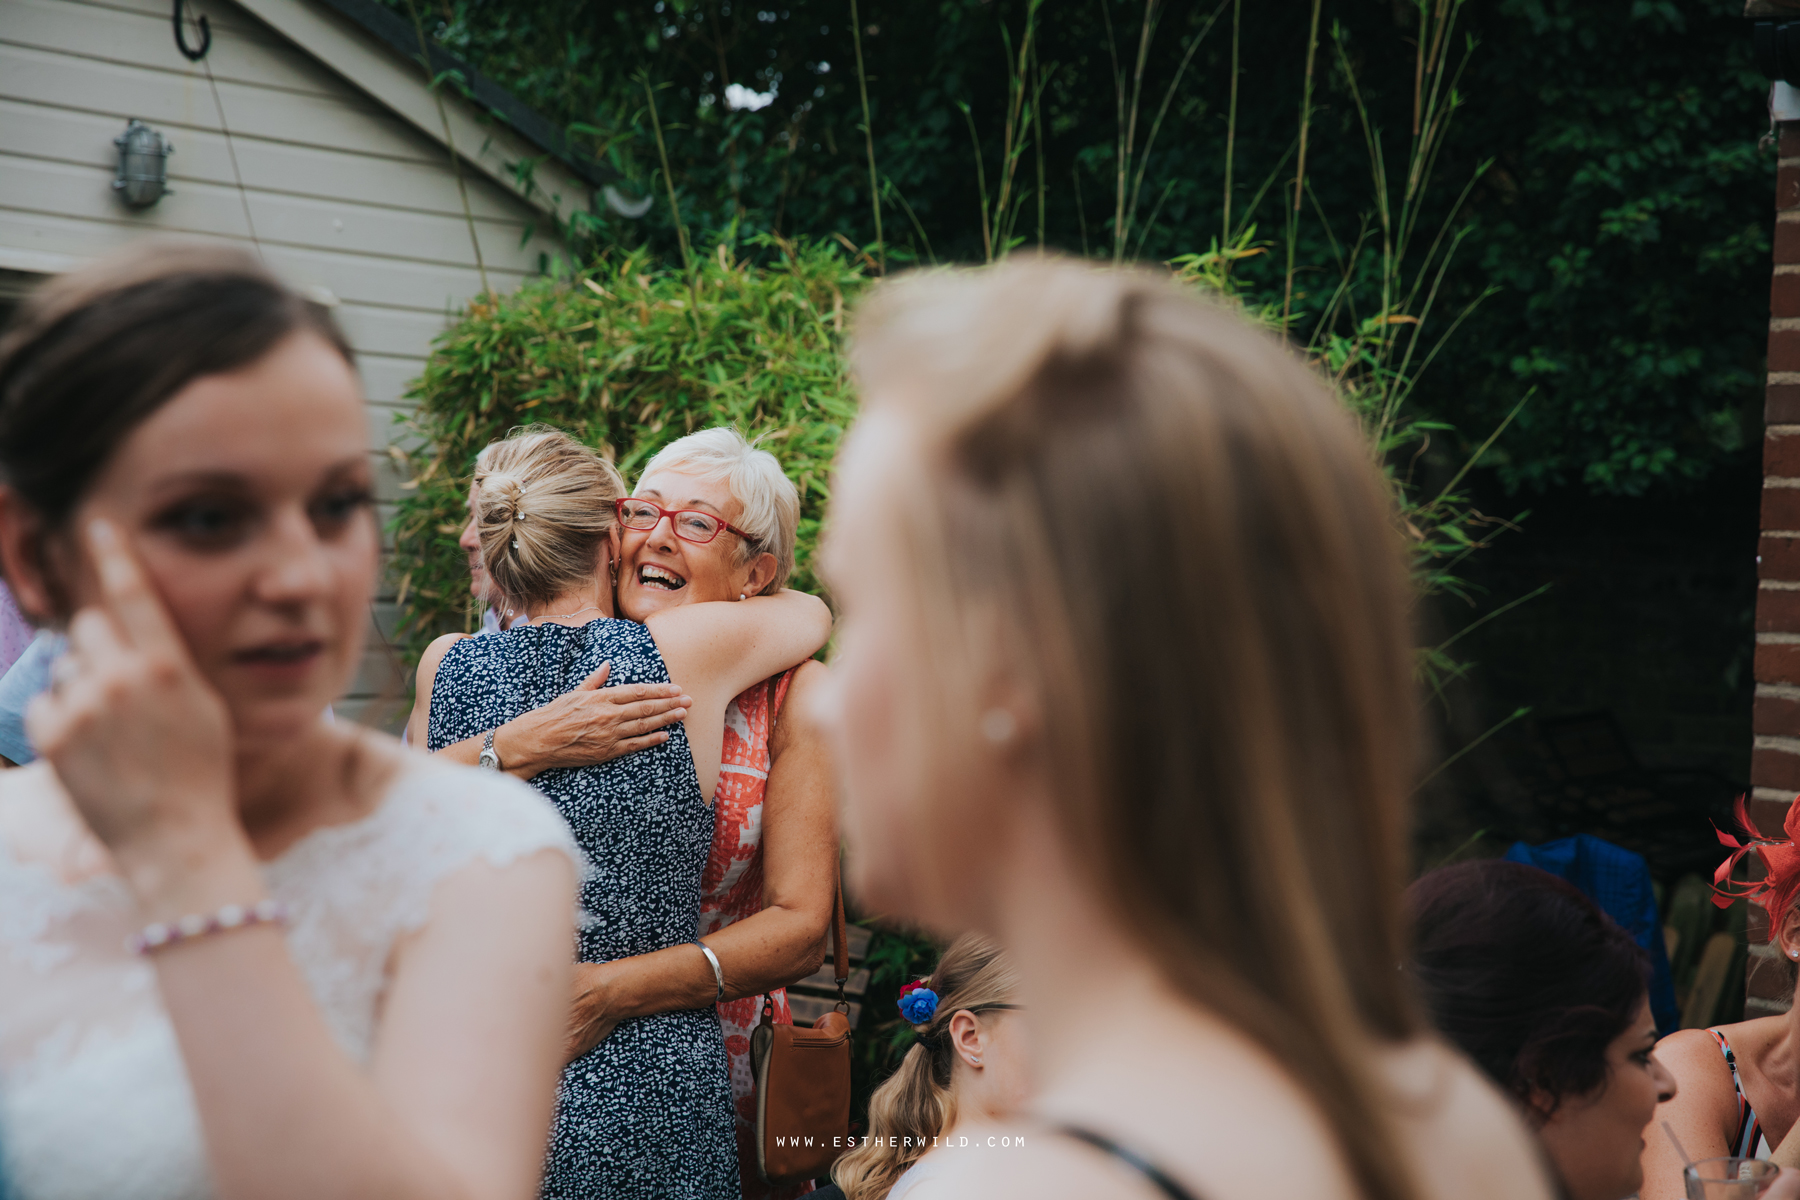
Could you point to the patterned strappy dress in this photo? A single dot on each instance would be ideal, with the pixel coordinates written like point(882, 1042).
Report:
point(732, 889)
point(1749, 1141)
point(646, 1114)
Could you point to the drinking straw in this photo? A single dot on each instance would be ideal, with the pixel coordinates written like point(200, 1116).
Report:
point(1670, 1130)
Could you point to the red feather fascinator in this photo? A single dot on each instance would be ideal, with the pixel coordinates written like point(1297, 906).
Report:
point(1775, 891)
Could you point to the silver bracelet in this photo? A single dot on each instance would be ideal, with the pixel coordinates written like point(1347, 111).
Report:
point(718, 972)
point(198, 925)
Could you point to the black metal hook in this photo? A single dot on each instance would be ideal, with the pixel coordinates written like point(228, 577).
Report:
point(181, 37)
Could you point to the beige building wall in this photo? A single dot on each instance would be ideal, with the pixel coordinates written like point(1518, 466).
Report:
point(338, 189)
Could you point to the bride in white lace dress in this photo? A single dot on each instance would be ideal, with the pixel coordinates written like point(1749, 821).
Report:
point(367, 997)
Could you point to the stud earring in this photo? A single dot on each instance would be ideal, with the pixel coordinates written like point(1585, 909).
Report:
point(740, 595)
point(998, 726)
point(976, 1059)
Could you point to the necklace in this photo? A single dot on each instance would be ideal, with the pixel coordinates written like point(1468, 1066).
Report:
point(561, 616)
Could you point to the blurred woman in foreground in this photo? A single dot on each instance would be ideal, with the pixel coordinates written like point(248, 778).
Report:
point(1546, 994)
point(1125, 610)
point(187, 492)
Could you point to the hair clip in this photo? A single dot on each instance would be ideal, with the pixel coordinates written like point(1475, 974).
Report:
point(918, 1003)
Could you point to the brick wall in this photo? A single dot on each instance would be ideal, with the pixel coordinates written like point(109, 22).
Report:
point(1775, 757)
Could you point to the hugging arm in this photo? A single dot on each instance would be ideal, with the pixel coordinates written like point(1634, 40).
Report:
point(717, 649)
point(781, 944)
point(592, 724)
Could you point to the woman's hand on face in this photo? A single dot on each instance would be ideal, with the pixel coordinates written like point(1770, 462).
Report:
point(138, 738)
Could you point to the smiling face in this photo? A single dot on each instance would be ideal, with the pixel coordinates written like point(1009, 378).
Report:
point(470, 544)
point(1596, 1140)
point(659, 570)
point(246, 498)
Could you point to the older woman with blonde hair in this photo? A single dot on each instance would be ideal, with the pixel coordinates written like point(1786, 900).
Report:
point(646, 1111)
point(1125, 610)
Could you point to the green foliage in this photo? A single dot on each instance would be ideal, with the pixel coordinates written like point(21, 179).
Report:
point(1625, 220)
point(627, 356)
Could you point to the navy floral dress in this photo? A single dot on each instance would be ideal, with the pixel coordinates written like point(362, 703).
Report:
point(647, 1113)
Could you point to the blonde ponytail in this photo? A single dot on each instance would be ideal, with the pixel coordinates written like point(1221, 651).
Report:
point(915, 1104)
point(543, 506)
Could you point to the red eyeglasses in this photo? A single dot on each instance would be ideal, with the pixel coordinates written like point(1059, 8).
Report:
point(690, 525)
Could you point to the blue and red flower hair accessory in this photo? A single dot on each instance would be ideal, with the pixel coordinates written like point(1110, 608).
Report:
point(918, 1003)
point(1776, 890)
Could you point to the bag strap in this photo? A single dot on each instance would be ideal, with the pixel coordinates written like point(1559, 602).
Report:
point(840, 953)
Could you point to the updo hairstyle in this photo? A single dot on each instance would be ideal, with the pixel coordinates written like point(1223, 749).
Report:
point(544, 505)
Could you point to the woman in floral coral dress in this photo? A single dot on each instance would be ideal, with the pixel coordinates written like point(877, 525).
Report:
point(733, 888)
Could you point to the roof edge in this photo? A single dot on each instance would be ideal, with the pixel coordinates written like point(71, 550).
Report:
point(392, 30)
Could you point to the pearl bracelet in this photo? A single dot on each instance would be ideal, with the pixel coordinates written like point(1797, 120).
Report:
point(162, 934)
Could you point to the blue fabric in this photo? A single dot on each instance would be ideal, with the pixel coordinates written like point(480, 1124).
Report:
point(1619, 882)
point(22, 681)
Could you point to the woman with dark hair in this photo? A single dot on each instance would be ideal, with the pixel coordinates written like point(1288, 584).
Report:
point(244, 952)
point(1549, 996)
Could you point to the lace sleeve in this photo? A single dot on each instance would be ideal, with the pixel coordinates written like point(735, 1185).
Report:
point(353, 891)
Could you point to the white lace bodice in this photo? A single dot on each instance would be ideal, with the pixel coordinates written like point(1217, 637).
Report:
point(94, 1097)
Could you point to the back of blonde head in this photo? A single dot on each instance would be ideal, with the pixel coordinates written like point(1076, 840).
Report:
point(1166, 528)
point(543, 507)
point(915, 1102)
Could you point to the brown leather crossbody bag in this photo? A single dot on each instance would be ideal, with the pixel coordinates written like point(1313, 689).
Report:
point(803, 1082)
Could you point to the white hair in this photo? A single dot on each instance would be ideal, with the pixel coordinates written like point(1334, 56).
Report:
point(769, 501)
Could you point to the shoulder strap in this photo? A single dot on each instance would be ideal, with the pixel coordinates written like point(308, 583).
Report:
point(1153, 1174)
point(840, 949)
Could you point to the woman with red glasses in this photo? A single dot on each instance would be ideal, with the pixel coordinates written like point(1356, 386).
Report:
point(645, 1108)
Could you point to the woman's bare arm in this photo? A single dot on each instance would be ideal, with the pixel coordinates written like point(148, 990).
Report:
point(782, 943)
point(716, 650)
point(592, 724)
point(1703, 1113)
point(457, 1103)
point(726, 646)
point(419, 722)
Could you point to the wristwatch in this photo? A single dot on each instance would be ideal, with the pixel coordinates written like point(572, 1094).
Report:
point(489, 759)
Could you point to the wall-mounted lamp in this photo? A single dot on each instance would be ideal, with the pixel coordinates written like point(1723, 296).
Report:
point(143, 165)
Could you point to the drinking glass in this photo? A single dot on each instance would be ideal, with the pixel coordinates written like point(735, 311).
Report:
point(1728, 1178)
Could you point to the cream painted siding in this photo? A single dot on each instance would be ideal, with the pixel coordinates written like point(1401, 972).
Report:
point(339, 189)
